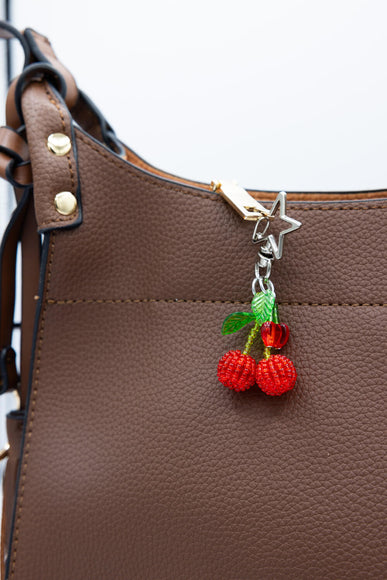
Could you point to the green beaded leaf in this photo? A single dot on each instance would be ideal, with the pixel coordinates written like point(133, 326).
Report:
point(236, 321)
point(262, 305)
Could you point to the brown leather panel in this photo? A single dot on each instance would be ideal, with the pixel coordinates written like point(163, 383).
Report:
point(138, 463)
point(141, 465)
point(46, 48)
point(51, 173)
point(173, 242)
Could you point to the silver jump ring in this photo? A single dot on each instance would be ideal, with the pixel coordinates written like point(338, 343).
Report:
point(266, 265)
point(262, 282)
point(257, 235)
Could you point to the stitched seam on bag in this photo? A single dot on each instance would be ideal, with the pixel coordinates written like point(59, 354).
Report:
point(56, 104)
point(209, 196)
point(32, 414)
point(197, 301)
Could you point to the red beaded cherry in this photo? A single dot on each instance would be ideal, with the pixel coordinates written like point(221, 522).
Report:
point(275, 375)
point(237, 370)
point(274, 335)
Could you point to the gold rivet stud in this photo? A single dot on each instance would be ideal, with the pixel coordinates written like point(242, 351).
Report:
point(65, 202)
point(59, 144)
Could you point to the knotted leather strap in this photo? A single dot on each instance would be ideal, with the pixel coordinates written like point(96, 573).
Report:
point(14, 157)
point(37, 48)
point(42, 51)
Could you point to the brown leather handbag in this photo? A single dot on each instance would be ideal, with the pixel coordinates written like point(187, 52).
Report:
point(129, 459)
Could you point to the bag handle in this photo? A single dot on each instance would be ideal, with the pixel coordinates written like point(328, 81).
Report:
point(11, 238)
point(37, 49)
point(34, 110)
point(21, 228)
point(42, 51)
point(7, 31)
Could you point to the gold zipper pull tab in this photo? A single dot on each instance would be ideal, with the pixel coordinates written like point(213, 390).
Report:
point(244, 203)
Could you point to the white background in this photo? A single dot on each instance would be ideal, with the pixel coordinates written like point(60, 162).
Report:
point(279, 94)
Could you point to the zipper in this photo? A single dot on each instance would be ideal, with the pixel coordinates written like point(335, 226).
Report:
point(244, 203)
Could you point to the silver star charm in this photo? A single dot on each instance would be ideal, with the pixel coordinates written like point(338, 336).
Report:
point(276, 248)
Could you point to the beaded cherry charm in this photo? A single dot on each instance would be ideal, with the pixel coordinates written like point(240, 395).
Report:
point(275, 374)
point(236, 369)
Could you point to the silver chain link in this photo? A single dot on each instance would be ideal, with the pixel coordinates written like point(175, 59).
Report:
point(263, 268)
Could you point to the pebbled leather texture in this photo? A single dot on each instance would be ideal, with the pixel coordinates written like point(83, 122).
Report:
point(192, 244)
point(137, 463)
point(51, 174)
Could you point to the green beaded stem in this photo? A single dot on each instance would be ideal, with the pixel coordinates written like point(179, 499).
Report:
point(264, 309)
point(274, 318)
point(250, 339)
point(274, 315)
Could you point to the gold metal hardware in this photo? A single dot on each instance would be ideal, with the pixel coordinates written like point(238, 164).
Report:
point(244, 203)
point(65, 202)
point(4, 452)
point(59, 144)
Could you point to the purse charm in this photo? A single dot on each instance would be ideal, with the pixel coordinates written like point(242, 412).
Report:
point(274, 374)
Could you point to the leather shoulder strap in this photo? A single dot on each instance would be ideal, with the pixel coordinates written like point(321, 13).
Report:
point(43, 100)
point(42, 51)
point(37, 48)
point(21, 229)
